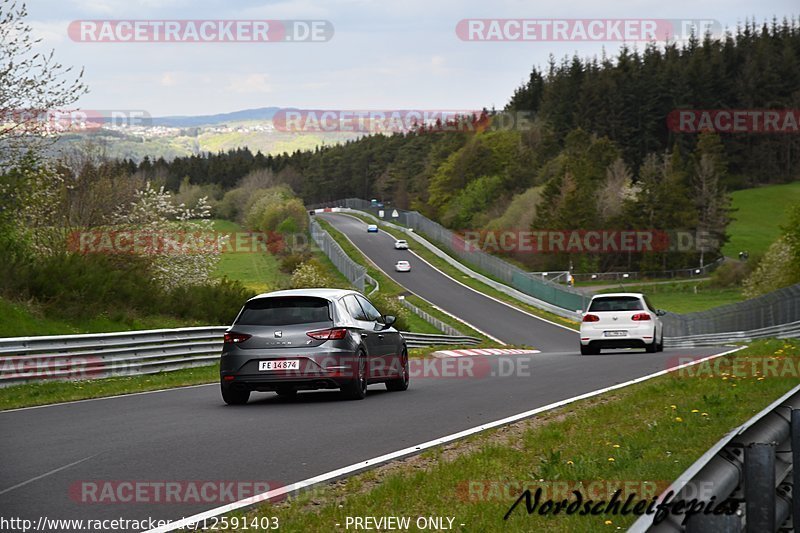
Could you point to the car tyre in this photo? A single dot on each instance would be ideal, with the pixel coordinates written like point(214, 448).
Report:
point(588, 350)
point(652, 347)
point(233, 396)
point(660, 347)
point(357, 388)
point(401, 383)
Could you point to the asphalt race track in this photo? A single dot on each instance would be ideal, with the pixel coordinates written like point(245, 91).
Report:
point(51, 454)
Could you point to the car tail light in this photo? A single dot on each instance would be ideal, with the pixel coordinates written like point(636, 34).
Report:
point(591, 318)
point(328, 334)
point(235, 338)
point(640, 316)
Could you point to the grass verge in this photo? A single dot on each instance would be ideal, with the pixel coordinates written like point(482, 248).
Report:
point(30, 394)
point(647, 434)
point(24, 319)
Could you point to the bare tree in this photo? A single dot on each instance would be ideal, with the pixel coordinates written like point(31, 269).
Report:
point(713, 205)
point(33, 87)
point(616, 189)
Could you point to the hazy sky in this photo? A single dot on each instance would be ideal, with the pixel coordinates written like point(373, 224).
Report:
point(401, 54)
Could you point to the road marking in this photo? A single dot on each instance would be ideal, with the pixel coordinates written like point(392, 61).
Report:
point(412, 450)
point(31, 480)
point(106, 397)
point(488, 351)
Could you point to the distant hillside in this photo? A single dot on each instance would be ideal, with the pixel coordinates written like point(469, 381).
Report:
point(182, 121)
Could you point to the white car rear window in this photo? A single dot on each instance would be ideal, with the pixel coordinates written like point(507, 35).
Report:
point(616, 303)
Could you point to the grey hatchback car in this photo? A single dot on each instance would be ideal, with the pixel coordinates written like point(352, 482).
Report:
point(306, 339)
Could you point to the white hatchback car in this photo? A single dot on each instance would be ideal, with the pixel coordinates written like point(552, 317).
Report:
point(400, 244)
point(621, 320)
point(402, 266)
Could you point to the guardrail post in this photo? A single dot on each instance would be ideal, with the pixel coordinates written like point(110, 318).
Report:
point(759, 487)
point(795, 437)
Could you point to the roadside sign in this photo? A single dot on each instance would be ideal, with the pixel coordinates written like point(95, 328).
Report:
point(380, 213)
point(395, 214)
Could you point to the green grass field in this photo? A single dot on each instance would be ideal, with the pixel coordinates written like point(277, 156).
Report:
point(256, 271)
point(684, 297)
point(759, 214)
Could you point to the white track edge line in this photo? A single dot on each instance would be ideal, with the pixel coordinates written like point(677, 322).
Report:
point(293, 487)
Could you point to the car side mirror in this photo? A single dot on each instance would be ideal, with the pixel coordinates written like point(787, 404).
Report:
point(388, 320)
point(660, 312)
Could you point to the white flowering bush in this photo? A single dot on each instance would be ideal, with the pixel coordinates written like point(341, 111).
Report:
point(309, 275)
point(181, 245)
point(774, 271)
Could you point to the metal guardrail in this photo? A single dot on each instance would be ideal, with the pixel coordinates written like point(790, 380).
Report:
point(680, 273)
point(430, 319)
point(754, 465)
point(130, 353)
point(354, 272)
point(781, 331)
point(103, 355)
point(420, 340)
point(778, 307)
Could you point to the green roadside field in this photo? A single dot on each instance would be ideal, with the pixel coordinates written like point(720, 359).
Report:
point(22, 319)
point(256, 270)
point(639, 438)
point(758, 215)
point(684, 297)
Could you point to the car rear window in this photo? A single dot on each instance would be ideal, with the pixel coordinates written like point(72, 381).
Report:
point(284, 311)
point(616, 303)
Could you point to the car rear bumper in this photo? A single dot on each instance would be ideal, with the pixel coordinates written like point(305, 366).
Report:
point(318, 368)
point(635, 337)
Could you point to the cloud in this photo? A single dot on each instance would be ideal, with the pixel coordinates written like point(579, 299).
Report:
point(252, 83)
point(168, 79)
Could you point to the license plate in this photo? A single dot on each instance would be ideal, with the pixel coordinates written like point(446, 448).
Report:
point(279, 365)
point(615, 333)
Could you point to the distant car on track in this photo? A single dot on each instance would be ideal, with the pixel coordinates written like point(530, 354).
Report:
point(400, 244)
point(402, 266)
point(621, 320)
point(372, 228)
point(305, 339)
